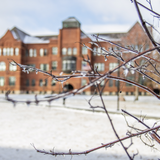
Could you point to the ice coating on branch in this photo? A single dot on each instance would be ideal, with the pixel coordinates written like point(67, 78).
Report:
point(132, 71)
point(98, 82)
point(83, 74)
point(125, 72)
point(62, 84)
point(128, 65)
point(24, 70)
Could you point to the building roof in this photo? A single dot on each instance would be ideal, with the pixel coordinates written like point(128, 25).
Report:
point(108, 36)
point(71, 22)
point(71, 19)
point(26, 38)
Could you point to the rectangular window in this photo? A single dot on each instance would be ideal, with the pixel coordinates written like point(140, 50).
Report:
point(44, 67)
point(12, 66)
point(132, 79)
point(64, 65)
point(69, 65)
point(64, 51)
point(17, 51)
point(53, 82)
point(117, 83)
point(110, 83)
point(54, 50)
point(40, 82)
point(103, 50)
point(85, 66)
point(112, 66)
point(84, 50)
point(54, 65)
point(102, 83)
point(33, 82)
point(12, 81)
point(45, 52)
point(95, 51)
point(74, 51)
point(1, 81)
point(69, 51)
point(26, 53)
point(99, 51)
point(73, 65)
point(46, 82)
point(83, 82)
point(100, 66)
point(27, 82)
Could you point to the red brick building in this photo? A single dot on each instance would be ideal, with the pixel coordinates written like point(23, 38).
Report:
point(60, 53)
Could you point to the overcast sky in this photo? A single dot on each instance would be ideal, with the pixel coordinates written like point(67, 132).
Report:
point(43, 17)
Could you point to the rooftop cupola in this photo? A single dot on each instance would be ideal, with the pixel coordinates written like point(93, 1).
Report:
point(71, 22)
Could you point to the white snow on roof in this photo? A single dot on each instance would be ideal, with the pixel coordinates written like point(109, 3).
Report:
point(104, 37)
point(31, 39)
point(14, 35)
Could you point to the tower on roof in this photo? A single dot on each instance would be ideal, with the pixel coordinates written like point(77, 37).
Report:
point(71, 22)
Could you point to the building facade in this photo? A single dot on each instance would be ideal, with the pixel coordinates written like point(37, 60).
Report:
point(62, 53)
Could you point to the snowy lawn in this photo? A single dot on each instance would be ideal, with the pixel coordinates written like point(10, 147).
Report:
point(63, 129)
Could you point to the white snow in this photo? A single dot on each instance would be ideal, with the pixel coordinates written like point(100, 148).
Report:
point(14, 35)
point(64, 128)
point(31, 39)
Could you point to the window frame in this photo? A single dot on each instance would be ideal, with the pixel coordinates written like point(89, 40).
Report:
point(12, 82)
point(54, 50)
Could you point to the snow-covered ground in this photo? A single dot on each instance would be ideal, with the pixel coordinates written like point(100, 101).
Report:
point(63, 129)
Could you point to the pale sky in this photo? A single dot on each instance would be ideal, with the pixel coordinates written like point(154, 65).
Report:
point(44, 17)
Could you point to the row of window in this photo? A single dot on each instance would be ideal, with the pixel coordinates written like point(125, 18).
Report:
point(41, 82)
point(69, 51)
point(65, 51)
point(67, 65)
point(12, 67)
point(9, 51)
point(43, 52)
point(12, 81)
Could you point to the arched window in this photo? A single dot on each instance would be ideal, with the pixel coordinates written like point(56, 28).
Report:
point(8, 51)
point(4, 51)
point(31, 52)
point(69, 51)
point(34, 53)
point(17, 51)
point(12, 66)
point(11, 51)
point(2, 66)
point(41, 52)
point(64, 51)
